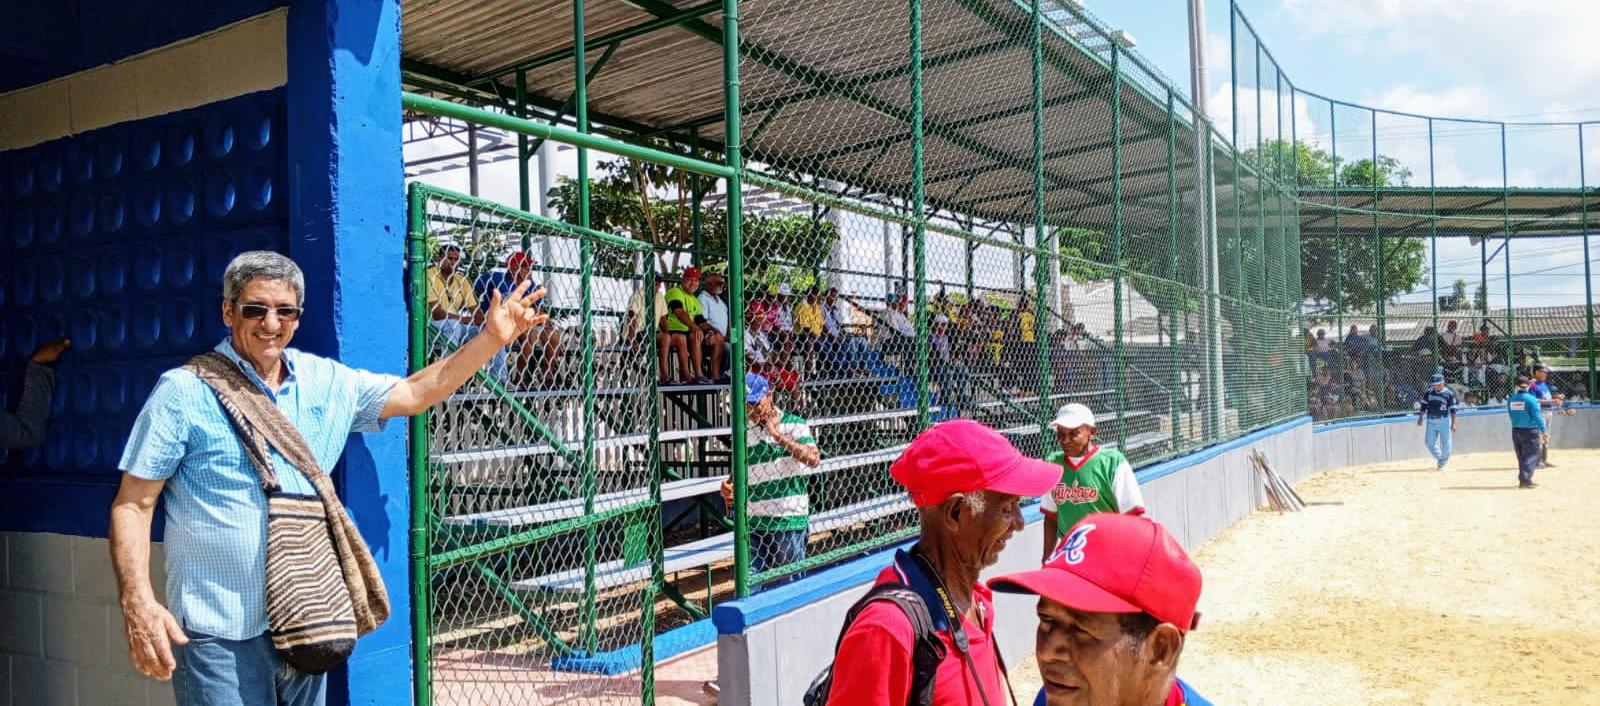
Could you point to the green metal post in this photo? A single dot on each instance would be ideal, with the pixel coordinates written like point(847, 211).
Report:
point(1505, 253)
point(735, 163)
point(580, 104)
point(1433, 245)
point(1215, 398)
point(421, 628)
point(524, 198)
point(1042, 257)
point(1588, 257)
point(1382, 343)
point(1120, 355)
point(647, 633)
point(696, 196)
point(919, 213)
point(1175, 408)
point(1338, 248)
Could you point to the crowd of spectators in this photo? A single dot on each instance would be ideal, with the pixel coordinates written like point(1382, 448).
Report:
point(1364, 373)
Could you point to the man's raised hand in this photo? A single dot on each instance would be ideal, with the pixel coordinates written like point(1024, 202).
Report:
point(513, 315)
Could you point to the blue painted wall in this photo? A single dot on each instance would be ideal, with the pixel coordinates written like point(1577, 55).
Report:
point(347, 229)
point(47, 40)
point(118, 239)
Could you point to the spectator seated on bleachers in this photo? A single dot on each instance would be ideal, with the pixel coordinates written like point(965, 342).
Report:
point(715, 309)
point(809, 324)
point(947, 369)
point(760, 354)
point(633, 324)
point(901, 337)
point(842, 348)
point(538, 352)
point(688, 332)
point(453, 306)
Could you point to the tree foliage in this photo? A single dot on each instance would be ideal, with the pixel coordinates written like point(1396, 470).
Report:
point(1345, 270)
point(652, 203)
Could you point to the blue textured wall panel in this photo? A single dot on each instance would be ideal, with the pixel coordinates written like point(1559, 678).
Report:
point(348, 224)
point(48, 40)
point(117, 238)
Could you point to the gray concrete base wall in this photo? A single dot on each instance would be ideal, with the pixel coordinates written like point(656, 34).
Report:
point(61, 634)
point(774, 660)
point(1399, 438)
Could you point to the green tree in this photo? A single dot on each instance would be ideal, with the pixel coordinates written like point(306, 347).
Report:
point(1480, 297)
point(1387, 171)
point(1307, 165)
point(651, 203)
point(1345, 270)
point(1458, 294)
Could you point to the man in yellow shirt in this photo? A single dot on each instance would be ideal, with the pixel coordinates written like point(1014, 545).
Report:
point(453, 306)
point(808, 323)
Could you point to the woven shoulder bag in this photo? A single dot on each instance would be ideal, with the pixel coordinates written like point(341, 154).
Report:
point(323, 588)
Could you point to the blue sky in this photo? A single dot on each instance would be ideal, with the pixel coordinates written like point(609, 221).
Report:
point(1515, 60)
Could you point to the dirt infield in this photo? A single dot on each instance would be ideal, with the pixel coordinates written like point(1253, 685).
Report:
point(1421, 588)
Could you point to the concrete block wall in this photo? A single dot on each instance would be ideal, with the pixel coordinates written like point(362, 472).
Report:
point(61, 634)
point(1360, 442)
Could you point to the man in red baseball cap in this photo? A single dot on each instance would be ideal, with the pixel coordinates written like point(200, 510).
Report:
point(967, 482)
point(1116, 600)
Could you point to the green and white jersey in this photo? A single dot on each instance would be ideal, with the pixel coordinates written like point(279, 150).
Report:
point(778, 498)
point(1099, 481)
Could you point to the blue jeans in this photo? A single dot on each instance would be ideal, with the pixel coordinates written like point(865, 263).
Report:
point(771, 550)
point(1527, 443)
point(213, 671)
point(1437, 438)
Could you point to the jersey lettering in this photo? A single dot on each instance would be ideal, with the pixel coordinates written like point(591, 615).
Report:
point(1074, 494)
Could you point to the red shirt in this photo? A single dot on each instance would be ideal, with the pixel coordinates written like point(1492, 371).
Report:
point(873, 667)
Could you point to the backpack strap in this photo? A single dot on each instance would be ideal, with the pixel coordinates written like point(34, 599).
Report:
point(926, 649)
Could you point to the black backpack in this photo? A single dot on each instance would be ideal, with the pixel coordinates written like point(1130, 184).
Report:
point(926, 654)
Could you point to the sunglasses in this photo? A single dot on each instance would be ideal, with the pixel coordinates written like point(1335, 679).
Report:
point(259, 311)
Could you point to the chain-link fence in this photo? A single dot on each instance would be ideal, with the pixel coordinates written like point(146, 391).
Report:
point(535, 483)
point(1428, 244)
point(981, 209)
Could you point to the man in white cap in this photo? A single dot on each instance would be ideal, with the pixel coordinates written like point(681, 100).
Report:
point(1093, 479)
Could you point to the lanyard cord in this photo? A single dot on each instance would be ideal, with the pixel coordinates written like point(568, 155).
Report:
point(958, 632)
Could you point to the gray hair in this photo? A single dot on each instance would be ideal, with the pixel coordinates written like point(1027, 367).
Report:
point(976, 501)
point(262, 264)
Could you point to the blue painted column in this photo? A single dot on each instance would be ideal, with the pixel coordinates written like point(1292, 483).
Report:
point(347, 230)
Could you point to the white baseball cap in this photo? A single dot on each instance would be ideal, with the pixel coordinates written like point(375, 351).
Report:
point(785, 290)
point(1072, 416)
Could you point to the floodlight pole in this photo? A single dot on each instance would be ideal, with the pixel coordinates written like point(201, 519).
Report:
point(1206, 217)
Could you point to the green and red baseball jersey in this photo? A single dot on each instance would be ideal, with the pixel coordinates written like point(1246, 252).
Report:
point(1099, 481)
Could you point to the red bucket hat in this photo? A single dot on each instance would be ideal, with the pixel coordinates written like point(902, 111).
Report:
point(1110, 563)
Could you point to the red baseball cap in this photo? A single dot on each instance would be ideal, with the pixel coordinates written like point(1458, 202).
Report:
point(689, 272)
point(519, 259)
point(1111, 563)
point(960, 456)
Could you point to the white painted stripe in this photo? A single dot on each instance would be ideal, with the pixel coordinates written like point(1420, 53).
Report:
point(244, 57)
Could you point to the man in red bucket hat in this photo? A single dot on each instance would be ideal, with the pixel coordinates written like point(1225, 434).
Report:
point(1116, 601)
point(967, 482)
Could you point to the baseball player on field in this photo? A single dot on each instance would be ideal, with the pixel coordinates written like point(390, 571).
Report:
point(1093, 479)
point(1437, 410)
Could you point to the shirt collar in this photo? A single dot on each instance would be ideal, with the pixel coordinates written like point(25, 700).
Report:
point(226, 348)
point(1076, 463)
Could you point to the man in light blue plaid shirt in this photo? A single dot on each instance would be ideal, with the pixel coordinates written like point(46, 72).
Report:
point(210, 638)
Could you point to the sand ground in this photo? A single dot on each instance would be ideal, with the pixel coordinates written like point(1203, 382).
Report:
point(1420, 588)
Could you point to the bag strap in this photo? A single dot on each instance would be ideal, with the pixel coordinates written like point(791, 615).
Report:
point(258, 421)
point(926, 649)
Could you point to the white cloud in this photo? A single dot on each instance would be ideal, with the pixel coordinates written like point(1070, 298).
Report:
point(1539, 56)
